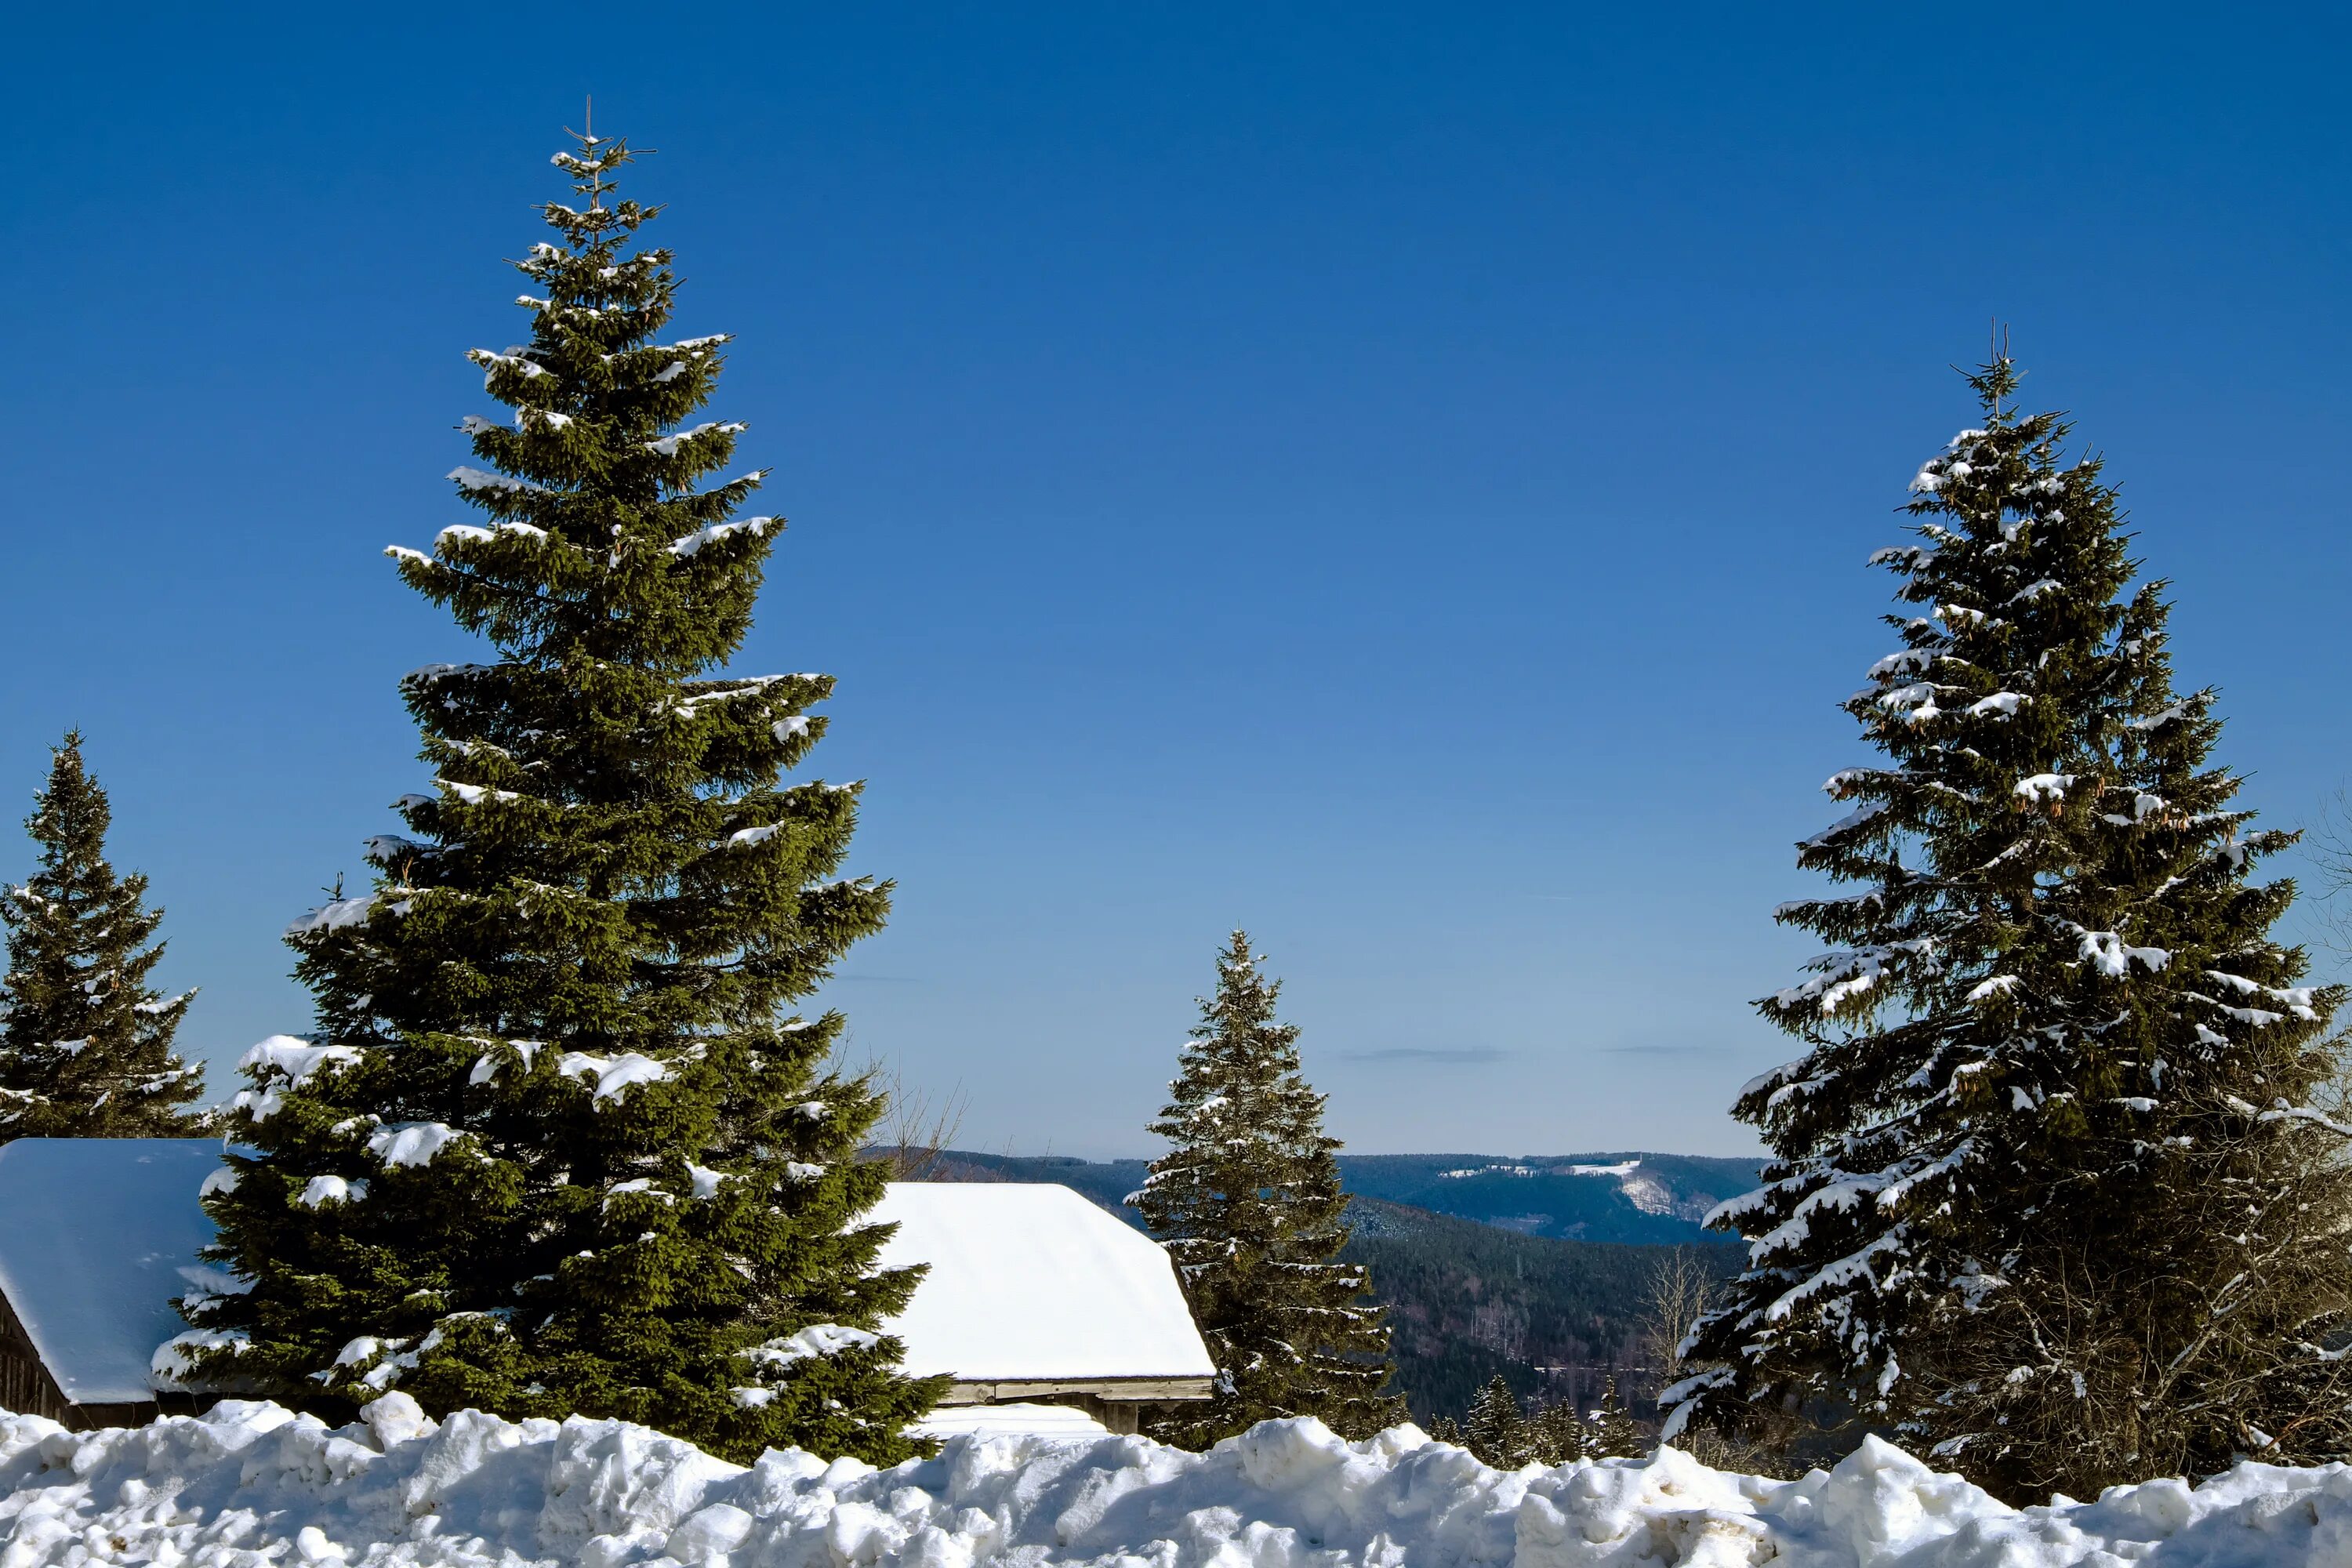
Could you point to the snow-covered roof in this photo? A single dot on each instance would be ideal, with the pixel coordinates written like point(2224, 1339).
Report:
point(1031, 1282)
point(94, 1235)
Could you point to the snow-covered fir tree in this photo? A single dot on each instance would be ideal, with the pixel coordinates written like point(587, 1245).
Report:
point(2059, 1188)
point(559, 1142)
point(1247, 1200)
point(84, 1042)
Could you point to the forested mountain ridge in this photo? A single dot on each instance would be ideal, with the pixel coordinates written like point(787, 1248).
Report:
point(1615, 1196)
point(1468, 1300)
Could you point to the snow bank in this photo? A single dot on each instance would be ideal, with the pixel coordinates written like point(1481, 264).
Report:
point(251, 1486)
point(1019, 1420)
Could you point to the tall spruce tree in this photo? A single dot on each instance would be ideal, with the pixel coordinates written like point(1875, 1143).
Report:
point(1247, 1200)
point(85, 1043)
point(2058, 1191)
point(558, 1144)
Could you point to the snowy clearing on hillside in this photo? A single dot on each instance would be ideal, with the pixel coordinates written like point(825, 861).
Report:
point(251, 1486)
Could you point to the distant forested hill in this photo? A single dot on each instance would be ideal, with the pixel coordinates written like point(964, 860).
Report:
point(1468, 1300)
point(1615, 1196)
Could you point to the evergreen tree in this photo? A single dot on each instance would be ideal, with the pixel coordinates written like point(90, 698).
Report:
point(85, 1043)
point(558, 1144)
point(1555, 1435)
point(1611, 1431)
point(1496, 1428)
point(2056, 1193)
point(1247, 1199)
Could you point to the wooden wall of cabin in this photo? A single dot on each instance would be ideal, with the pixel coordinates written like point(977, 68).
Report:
point(25, 1387)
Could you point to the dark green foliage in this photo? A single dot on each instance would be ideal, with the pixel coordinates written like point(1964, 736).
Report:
point(1502, 1433)
point(1555, 1435)
point(2057, 1195)
point(85, 1043)
point(560, 1144)
point(1247, 1200)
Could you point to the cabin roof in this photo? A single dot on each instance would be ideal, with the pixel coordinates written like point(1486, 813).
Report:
point(95, 1236)
point(1031, 1282)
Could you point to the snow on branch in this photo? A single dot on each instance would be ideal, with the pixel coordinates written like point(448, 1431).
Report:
point(1844, 825)
point(693, 542)
point(611, 1075)
point(479, 481)
point(2106, 952)
point(668, 445)
point(1843, 974)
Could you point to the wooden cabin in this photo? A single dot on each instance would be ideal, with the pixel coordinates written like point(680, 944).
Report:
point(1035, 1297)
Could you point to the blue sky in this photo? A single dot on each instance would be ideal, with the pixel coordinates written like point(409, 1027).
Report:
point(1395, 478)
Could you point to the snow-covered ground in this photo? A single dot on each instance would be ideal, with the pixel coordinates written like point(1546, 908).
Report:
point(251, 1484)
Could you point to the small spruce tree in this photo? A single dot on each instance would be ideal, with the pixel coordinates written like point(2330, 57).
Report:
point(85, 1043)
point(560, 1143)
point(2057, 1193)
point(1556, 1436)
point(1496, 1427)
point(1247, 1200)
point(1611, 1431)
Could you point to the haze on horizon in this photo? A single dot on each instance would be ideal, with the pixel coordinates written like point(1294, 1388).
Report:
point(1397, 481)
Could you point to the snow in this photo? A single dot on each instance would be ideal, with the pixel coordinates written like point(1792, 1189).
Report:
point(411, 1142)
point(1032, 1281)
point(322, 1190)
point(1625, 1169)
point(334, 916)
point(252, 1484)
point(815, 1341)
point(2106, 952)
point(468, 532)
point(90, 1251)
point(2157, 721)
point(613, 1074)
point(2041, 787)
point(1010, 1421)
point(668, 445)
point(694, 541)
point(297, 1059)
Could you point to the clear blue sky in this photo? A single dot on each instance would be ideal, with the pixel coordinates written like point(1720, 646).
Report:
point(1396, 479)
